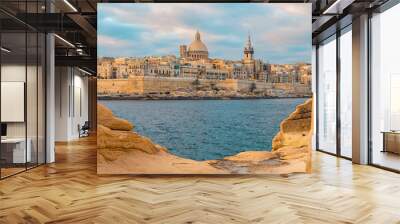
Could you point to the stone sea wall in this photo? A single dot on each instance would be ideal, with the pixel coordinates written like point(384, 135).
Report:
point(123, 151)
point(146, 85)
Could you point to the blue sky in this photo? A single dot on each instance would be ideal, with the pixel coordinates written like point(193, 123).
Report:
point(281, 33)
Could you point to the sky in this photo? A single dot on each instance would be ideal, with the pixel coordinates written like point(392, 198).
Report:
point(280, 33)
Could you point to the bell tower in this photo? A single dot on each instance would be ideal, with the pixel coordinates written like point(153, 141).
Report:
point(248, 51)
point(183, 51)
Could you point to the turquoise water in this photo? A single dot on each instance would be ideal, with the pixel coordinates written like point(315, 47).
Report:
point(207, 129)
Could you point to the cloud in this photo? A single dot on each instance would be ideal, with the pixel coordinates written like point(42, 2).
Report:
point(295, 9)
point(104, 40)
point(148, 29)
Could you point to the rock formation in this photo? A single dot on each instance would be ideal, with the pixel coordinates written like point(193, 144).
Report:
point(107, 119)
point(294, 138)
point(123, 151)
point(111, 143)
point(295, 129)
point(114, 136)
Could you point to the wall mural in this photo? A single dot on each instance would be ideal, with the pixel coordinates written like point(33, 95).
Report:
point(216, 88)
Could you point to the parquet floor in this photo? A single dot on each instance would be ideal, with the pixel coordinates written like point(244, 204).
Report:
point(69, 191)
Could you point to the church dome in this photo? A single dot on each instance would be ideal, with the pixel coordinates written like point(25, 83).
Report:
point(197, 45)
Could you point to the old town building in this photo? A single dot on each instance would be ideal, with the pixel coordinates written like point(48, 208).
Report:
point(194, 62)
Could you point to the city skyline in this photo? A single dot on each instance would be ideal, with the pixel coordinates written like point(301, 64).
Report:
point(142, 32)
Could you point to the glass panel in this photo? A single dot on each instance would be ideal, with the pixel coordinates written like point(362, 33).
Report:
point(327, 96)
point(385, 84)
point(41, 99)
point(346, 94)
point(2, 54)
point(13, 87)
point(31, 98)
point(23, 87)
point(31, 88)
point(314, 84)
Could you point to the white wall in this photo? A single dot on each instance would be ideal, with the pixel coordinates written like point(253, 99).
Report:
point(12, 73)
point(79, 112)
point(71, 102)
point(62, 81)
point(33, 125)
point(13, 101)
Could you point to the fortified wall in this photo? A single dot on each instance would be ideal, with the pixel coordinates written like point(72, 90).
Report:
point(146, 84)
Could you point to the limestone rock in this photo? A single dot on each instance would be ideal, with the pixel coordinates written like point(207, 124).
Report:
point(122, 151)
point(252, 156)
point(110, 142)
point(292, 153)
point(295, 131)
point(106, 118)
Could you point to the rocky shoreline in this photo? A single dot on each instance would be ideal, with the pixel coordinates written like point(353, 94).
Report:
point(164, 97)
point(123, 151)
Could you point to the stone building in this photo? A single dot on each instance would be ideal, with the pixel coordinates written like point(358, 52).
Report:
point(194, 62)
point(248, 61)
point(183, 51)
point(197, 49)
point(104, 68)
point(189, 71)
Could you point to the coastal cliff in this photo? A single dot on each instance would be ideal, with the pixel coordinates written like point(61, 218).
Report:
point(295, 135)
point(295, 129)
point(123, 151)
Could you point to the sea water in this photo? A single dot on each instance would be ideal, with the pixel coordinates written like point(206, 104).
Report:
point(207, 129)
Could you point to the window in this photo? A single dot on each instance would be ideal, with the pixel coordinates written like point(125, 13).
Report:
point(346, 93)
point(22, 79)
point(385, 89)
point(327, 96)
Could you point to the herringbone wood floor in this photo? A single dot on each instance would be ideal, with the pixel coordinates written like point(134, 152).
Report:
point(69, 191)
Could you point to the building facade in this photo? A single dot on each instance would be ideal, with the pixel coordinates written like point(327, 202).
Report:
point(194, 62)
